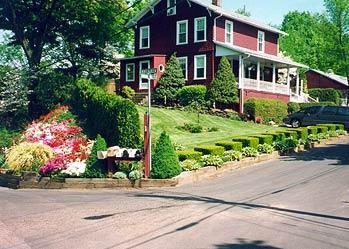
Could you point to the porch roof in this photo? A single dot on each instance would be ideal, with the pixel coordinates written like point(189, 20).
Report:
point(224, 49)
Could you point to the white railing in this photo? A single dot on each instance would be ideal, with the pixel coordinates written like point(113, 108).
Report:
point(265, 86)
point(302, 98)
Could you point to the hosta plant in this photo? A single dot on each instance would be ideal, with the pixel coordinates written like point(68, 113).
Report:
point(249, 152)
point(232, 155)
point(134, 175)
point(189, 165)
point(211, 160)
point(28, 156)
point(120, 175)
point(265, 148)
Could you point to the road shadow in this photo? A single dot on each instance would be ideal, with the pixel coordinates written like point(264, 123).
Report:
point(245, 244)
point(337, 152)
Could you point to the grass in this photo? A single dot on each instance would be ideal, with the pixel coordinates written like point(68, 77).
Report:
point(168, 119)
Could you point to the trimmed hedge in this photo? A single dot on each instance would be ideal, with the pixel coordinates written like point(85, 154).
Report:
point(190, 94)
point(277, 136)
point(312, 130)
point(116, 119)
point(331, 127)
point(188, 154)
point(302, 132)
point(210, 150)
point(268, 110)
point(321, 128)
point(326, 94)
point(306, 105)
point(340, 127)
point(229, 145)
point(248, 141)
point(291, 133)
point(264, 139)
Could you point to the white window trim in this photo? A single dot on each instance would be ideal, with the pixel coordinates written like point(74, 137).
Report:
point(195, 29)
point(186, 66)
point(141, 35)
point(141, 87)
point(186, 32)
point(195, 67)
point(127, 78)
point(263, 42)
point(231, 32)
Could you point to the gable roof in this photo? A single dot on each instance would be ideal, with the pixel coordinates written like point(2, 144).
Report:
point(229, 14)
point(340, 79)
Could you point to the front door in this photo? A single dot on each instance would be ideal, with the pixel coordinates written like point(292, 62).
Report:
point(143, 83)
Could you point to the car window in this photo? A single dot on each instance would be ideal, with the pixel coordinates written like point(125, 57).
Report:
point(343, 111)
point(312, 110)
point(329, 110)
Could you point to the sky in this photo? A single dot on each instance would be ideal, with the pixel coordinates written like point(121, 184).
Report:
point(273, 11)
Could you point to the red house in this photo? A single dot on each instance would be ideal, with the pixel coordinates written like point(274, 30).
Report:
point(201, 34)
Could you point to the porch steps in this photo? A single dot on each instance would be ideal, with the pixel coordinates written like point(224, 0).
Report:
point(140, 98)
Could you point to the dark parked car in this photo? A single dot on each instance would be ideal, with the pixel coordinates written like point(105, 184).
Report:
point(319, 115)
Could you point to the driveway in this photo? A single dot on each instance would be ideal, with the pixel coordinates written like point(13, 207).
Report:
point(299, 201)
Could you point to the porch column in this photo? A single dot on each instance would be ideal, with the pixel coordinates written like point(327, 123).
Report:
point(274, 78)
point(288, 79)
point(241, 83)
point(302, 88)
point(297, 84)
point(258, 74)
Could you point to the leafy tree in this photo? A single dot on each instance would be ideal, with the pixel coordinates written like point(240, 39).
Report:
point(170, 82)
point(165, 163)
point(243, 11)
point(224, 88)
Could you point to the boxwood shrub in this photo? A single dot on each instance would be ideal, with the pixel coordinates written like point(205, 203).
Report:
point(312, 130)
point(277, 136)
point(210, 150)
point(322, 129)
point(264, 139)
point(190, 94)
point(268, 110)
point(248, 141)
point(291, 133)
point(189, 154)
point(331, 127)
point(302, 132)
point(340, 126)
point(230, 145)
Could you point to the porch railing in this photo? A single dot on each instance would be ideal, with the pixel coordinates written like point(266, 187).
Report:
point(265, 86)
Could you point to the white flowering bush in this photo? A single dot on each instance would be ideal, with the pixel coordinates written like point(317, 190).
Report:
point(75, 168)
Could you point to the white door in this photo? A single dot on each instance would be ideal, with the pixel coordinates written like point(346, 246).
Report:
point(143, 83)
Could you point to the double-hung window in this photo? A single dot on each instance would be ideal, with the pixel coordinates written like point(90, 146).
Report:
point(200, 29)
point(199, 67)
point(261, 41)
point(183, 62)
point(130, 72)
point(228, 32)
point(182, 32)
point(144, 37)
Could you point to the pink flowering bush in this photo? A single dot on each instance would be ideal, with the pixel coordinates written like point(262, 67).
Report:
point(65, 138)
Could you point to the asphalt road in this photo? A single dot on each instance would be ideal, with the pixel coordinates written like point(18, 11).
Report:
point(300, 201)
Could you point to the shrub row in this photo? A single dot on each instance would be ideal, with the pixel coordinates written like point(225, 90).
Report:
point(326, 94)
point(116, 119)
point(248, 141)
point(268, 110)
point(210, 150)
point(230, 145)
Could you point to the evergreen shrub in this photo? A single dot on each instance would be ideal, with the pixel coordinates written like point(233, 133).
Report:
point(264, 139)
point(247, 141)
point(266, 109)
point(165, 163)
point(210, 150)
point(326, 95)
point(340, 127)
point(277, 136)
point(331, 127)
point(292, 107)
point(312, 130)
point(302, 132)
point(96, 168)
point(189, 94)
point(230, 145)
point(189, 154)
point(321, 129)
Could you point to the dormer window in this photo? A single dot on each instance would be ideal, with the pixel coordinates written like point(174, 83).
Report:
point(228, 32)
point(261, 41)
point(144, 37)
point(200, 29)
point(171, 7)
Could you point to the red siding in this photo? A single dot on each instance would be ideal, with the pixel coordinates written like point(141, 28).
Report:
point(248, 94)
point(316, 80)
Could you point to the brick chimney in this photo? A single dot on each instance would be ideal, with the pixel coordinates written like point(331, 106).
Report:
point(217, 3)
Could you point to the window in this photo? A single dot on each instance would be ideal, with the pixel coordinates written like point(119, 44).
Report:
point(144, 37)
point(228, 32)
point(182, 32)
point(171, 7)
point(199, 67)
point(143, 83)
point(130, 72)
point(183, 62)
point(260, 45)
point(200, 29)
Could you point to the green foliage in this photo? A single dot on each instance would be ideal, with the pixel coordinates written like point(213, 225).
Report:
point(7, 138)
point(322, 129)
point(210, 149)
point(232, 155)
point(302, 132)
point(28, 156)
point(165, 163)
point(312, 130)
point(326, 95)
point(265, 148)
point(115, 118)
point(194, 93)
point(264, 139)
point(306, 105)
point(230, 145)
point(134, 175)
point(192, 128)
point(340, 127)
point(249, 152)
point(277, 136)
point(171, 81)
point(285, 145)
point(189, 154)
point(292, 107)
point(224, 88)
point(211, 160)
point(268, 110)
point(331, 127)
point(247, 141)
point(291, 133)
point(2, 161)
point(127, 92)
point(189, 165)
point(120, 175)
point(96, 168)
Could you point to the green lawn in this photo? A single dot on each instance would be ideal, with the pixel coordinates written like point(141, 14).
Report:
point(167, 120)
